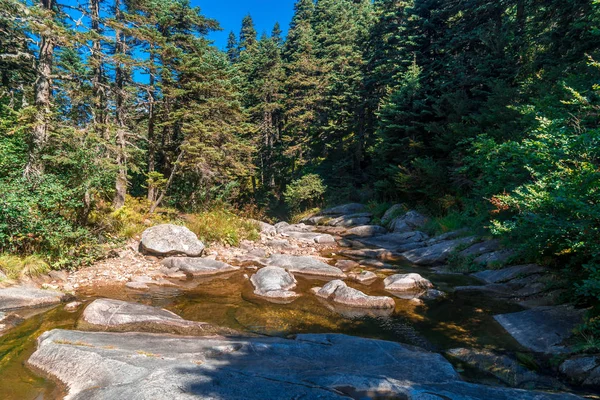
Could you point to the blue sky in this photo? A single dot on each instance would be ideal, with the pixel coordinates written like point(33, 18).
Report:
point(229, 13)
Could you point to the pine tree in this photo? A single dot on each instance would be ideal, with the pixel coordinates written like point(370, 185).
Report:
point(232, 48)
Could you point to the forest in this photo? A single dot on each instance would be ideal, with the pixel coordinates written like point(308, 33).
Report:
point(480, 113)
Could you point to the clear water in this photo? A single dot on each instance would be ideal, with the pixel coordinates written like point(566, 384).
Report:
point(228, 300)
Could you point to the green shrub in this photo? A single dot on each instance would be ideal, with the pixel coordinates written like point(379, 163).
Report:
point(221, 226)
point(305, 192)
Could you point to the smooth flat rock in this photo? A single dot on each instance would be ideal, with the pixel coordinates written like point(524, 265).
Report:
point(398, 241)
point(122, 316)
point(507, 274)
point(305, 265)
point(338, 292)
point(138, 366)
point(346, 265)
point(15, 297)
point(325, 238)
point(350, 220)
point(436, 253)
point(381, 254)
point(367, 230)
point(582, 370)
point(542, 329)
point(478, 249)
point(274, 282)
point(508, 370)
point(344, 209)
point(406, 283)
point(365, 277)
point(301, 227)
point(170, 240)
point(499, 257)
point(410, 221)
point(196, 266)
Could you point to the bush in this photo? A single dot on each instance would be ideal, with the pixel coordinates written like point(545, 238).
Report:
point(16, 267)
point(305, 192)
point(221, 226)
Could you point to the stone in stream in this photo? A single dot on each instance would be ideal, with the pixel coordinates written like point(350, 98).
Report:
point(305, 265)
point(16, 297)
point(346, 265)
point(170, 240)
point(410, 221)
point(381, 254)
point(367, 230)
point(122, 316)
point(509, 371)
point(406, 283)
point(195, 266)
point(311, 237)
point(365, 277)
point(582, 370)
point(274, 283)
point(436, 253)
point(338, 292)
point(507, 274)
point(102, 366)
point(542, 329)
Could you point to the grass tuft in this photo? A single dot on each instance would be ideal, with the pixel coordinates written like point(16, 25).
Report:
point(16, 267)
point(222, 226)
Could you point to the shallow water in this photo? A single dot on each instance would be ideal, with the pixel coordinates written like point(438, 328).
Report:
point(228, 300)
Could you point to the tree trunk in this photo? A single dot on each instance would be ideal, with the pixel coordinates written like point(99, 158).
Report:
point(166, 188)
point(99, 113)
point(43, 93)
point(151, 124)
point(121, 182)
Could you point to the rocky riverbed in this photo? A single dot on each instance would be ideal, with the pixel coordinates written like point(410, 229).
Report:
point(358, 310)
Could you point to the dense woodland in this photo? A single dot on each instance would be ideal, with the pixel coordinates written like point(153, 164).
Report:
point(482, 113)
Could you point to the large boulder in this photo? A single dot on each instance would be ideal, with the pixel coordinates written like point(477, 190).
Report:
point(16, 297)
point(367, 230)
point(542, 329)
point(264, 227)
point(170, 240)
point(196, 266)
point(350, 220)
point(478, 249)
point(304, 265)
point(274, 283)
point(338, 292)
point(410, 221)
point(344, 209)
point(102, 366)
point(436, 253)
point(582, 370)
point(392, 213)
point(123, 316)
point(397, 242)
point(507, 274)
point(406, 283)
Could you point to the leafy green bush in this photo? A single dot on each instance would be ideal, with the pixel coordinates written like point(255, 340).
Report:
point(305, 192)
point(221, 226)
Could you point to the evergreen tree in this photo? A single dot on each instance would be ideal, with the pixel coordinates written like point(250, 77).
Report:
point(232, 48)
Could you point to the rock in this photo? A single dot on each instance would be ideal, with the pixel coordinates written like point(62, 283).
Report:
point(436, 253)
point(195, 266)
point(365, 277)
point(367, 230)
point(264, 227)
point(3, 276)
point(274, 282)
point(392, 213)
point(398, 241)
point(60, 276)
point(307, 237)
point(350, 220)
point(582, 370)
point(280, 225)
point(542, 329)
point(16, 297)
point(170, 240)
point(338, 292)
point(122, 316)
point(295, 228)
point(72, 306)
point(447, 236)
point(279, 244)
point(324, 239)
point(506, 369)
point(346, 265)
point(410, 221)
point(344, 209)
point(304, 265)
point(406, 283)
point(137, 285)
point(344, 243)
point(315, 366)
point(381, 254)
point(257, 252)
point(481, 248)
point(432, 294)
point(507, 274)
point(499, 257)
